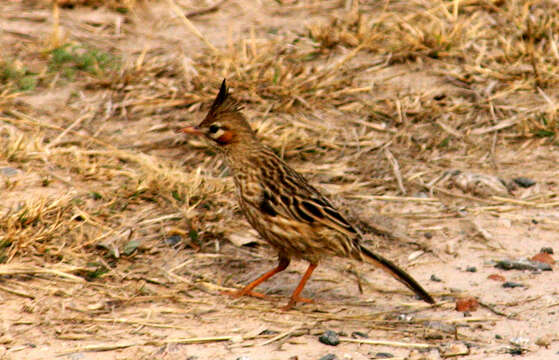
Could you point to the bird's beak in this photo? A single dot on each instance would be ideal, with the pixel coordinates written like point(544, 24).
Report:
point(193, 130)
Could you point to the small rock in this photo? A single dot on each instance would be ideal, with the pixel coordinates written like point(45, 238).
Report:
point(329, 357)
point(77, 356)
point(173, 240)
point(471, 269)
point(440, 326)
point(515, 351)
point(329, 338)
point(244, 239)
point(423, 354)
point(294, 358)
point(6, 339)
point(435, 278)
point(520, 341)
point(512, 285)
point(544, 341)
point(543, 258)
point(428, 235)
point(243, 358)
point(130, 247)
point(405, 317)
point(432, 335)
point(269, 332)
point(524, 182)
point(547, 250)
point(383, 355)
point(497, 277)
point(467, 304)
point(455, 350)
point(498, 337)
point(522, 264)
point(236, 339)
point(359, 334)
point(9, 171)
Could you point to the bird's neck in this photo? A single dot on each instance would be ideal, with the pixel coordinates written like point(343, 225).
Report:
point(243, 154)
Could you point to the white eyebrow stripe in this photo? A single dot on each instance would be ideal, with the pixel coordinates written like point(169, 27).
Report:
point(217, 134)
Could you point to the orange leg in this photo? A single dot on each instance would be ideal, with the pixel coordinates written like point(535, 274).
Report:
point(295, 297)
point(247, 290)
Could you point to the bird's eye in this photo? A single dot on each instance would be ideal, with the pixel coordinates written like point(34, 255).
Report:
point(213, 129)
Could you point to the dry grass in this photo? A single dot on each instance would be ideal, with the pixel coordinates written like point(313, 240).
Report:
point(376, 101)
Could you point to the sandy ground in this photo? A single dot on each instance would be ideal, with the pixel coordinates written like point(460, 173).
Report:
point(142, 311)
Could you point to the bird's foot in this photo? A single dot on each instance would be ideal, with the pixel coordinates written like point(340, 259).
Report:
point(294, 301)
point(240, 293)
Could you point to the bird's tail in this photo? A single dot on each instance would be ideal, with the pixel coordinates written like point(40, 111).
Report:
point(391, 268)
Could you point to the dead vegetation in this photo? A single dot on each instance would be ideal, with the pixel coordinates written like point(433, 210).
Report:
point(377, 102)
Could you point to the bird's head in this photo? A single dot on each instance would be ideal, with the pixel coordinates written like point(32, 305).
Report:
point(224, 124)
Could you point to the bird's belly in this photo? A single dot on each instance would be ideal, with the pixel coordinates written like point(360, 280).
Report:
point(295, 239)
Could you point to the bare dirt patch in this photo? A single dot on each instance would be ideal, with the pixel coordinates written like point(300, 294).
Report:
point(116, 234)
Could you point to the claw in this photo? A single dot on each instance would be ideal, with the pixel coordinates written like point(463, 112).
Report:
point(293, 301)
point(238, 294)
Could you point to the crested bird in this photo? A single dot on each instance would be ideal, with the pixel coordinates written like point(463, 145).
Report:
point(288, 213)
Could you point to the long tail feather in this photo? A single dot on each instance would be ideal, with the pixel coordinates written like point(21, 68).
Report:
point(399, 274)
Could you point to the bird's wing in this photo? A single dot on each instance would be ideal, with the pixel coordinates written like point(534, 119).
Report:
point(289, 195)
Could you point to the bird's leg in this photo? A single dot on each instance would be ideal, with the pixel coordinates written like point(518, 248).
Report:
point(295, 298)
point(247, 290)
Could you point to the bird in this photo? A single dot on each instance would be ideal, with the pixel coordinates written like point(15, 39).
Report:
point(290, 214)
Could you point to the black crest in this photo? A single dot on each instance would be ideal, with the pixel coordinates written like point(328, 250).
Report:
point(221, 97)
point(223, 102)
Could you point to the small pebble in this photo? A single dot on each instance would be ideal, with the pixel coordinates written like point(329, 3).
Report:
point(535, 222)
point(383, 355)
point(547, 250)
point(440, 326)
point(471, 269)
point(435, 278)
point(243, 358)
point(515, 351)
point(428, 235)
point(510, 284)
point(497, 277)
point(405, 317)
point(498, 337)
point(456, 350)
point(359, 334)
point(544, 341)
point(329, 357)
point(524, 182)
point(329, 338)
point(520, 341)
point(543, 258)
point(8, 171)
point(173, 240)
point(269, 332)
point(522, 264)
point(422, 195)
